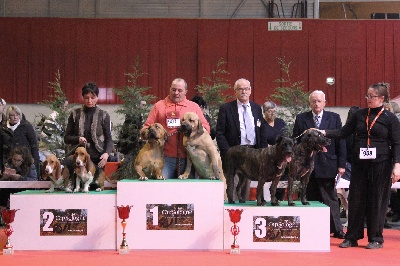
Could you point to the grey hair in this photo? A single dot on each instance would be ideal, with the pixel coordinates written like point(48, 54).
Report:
point(14, 108)
point(316, 92)
point(241, 79)
point(268, 105)
point(179, 80)
point(2, 101)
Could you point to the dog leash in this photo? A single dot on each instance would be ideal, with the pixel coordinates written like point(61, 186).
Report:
point(73, 150)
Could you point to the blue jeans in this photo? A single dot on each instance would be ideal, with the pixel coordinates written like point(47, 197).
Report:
point(170, 166)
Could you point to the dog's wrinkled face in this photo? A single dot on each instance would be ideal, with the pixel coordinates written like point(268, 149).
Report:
point(285, 147)
point(80, 156)
point(191, 124)
point(315, 141)
point(51, 166)
point(156, 133)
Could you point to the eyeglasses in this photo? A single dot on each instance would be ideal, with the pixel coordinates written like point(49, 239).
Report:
point(270, 111)
point(243, 89)
point(369, 97)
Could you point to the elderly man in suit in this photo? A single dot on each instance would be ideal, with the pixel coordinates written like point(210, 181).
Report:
point(328, 164)
point(240, 122)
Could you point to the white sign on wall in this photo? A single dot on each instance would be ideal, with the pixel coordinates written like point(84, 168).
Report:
point(284, 25)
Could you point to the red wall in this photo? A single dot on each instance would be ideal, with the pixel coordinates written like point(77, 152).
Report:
point(356, 52)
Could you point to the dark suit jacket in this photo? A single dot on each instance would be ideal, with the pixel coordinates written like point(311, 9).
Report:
point(325, 163)
point(228, 126)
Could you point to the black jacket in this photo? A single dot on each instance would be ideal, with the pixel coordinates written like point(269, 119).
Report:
point(228, 126)
point(326, 164)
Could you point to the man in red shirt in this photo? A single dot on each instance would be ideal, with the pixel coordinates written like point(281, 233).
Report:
point(168, 112)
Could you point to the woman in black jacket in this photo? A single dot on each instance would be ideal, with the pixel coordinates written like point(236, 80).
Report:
point(375, 166)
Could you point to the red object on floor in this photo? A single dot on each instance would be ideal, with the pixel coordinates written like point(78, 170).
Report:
point(253, 193)
point(111, 167)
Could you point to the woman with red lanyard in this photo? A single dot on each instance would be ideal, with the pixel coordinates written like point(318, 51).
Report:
point(376, 165)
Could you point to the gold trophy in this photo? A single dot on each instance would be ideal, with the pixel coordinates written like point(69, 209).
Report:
point(123, 213)
point(235, 216)
point(8, 217)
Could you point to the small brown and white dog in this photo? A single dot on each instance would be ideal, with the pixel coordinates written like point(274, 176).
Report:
point(201, 150)
point(150, 160)
point(58, 174)
point(85, 171)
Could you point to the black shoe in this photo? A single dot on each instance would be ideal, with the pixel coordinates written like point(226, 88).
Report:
point(339, 235)
point(396, 217)
point(387, 225)
point(347, 243)
point(374, 245)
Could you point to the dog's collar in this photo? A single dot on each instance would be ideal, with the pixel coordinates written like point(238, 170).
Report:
point(173, 133)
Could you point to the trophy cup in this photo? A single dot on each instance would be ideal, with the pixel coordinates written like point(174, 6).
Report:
point(8, 217)
point(123, 213)
point(235, 216)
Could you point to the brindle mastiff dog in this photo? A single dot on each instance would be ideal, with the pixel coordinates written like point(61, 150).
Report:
point(262, 165)
point(302, 165)
point(201, 150)
point(150, 160)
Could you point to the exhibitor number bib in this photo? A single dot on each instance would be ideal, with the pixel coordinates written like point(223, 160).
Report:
point(367, 153)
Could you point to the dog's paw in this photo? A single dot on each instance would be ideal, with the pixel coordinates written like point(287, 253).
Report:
point(183, 176)
point(213, 178)
point(143, 178)
point(291, 204)
point(275, 203)
point(305, 203)
point(85, 191)
point(97, 189)
point(68, 190)
point(231, 201)
point(160, 177)
point(76, 190)
point(50, 191)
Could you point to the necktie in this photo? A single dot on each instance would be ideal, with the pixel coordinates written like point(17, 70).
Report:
point(316, 121)
point(250, 133)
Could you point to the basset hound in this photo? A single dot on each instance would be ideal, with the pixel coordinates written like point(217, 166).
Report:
point(58, 174)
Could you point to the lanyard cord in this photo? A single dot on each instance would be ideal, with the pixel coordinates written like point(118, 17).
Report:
point(372, 124)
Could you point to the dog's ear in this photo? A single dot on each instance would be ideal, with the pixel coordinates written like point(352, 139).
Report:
point(58, 169)
point(87, 160)
point(279, 139)
point(200, 128)
point(165, 134)
point(44, 175)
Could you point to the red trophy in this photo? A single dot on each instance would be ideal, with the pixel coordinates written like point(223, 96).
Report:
point(123, 213)
point(8, 217)
point(235, 216)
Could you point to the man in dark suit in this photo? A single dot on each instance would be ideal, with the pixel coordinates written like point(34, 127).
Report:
point(232, 128)
point(328, 164)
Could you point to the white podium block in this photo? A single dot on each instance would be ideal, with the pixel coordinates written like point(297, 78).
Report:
point(286, 228)
point(172, 214)
point(64, 221)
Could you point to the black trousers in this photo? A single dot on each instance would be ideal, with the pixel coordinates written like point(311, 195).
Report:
point(323, 190)
point(369, 196)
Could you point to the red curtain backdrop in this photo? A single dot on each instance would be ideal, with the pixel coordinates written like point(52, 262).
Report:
point(356, 52)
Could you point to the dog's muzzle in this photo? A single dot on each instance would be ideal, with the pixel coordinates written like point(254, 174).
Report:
point(186, 129)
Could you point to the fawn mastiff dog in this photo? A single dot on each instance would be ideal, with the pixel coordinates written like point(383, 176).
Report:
point(201, 151)
point(150, 159)
point(302, 165)
point(262, 165)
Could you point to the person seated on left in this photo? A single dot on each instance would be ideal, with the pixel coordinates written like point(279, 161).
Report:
point(18, 132)
point(20, 167)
